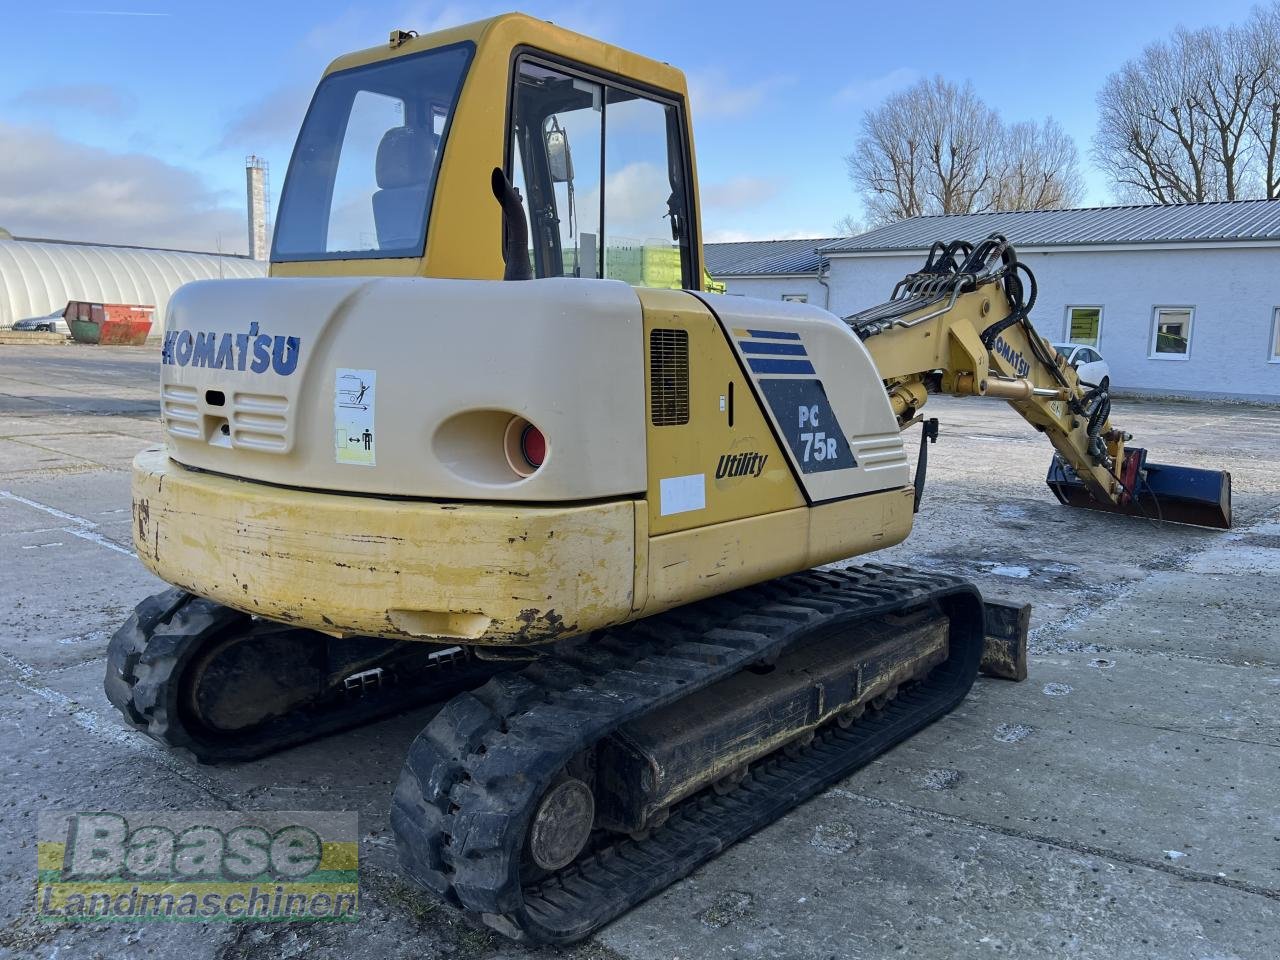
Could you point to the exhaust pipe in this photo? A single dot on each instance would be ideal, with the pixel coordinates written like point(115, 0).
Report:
point(515, 245)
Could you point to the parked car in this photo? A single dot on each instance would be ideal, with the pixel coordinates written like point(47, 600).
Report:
point(53, 323)
point(1089, 364)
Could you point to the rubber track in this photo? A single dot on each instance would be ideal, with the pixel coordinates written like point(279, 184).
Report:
point(147, 656)
point(473, 777)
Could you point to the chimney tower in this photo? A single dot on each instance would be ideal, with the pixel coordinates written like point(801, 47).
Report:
point(258, 186)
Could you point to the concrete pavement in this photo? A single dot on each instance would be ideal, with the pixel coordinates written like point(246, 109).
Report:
point(1119, 804)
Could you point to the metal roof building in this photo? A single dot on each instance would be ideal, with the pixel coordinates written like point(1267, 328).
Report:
point(38, 277)
point(1180, 300)
point(1228, 221)
point(763, 258)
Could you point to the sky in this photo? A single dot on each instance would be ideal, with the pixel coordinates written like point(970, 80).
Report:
point(128, 121)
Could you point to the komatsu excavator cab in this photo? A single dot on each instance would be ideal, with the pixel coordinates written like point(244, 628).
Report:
point(579, 512)
point(390, 174)
point(652, 443)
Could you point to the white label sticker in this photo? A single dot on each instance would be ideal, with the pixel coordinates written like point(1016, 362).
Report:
point(682, 494)
point(353, 416)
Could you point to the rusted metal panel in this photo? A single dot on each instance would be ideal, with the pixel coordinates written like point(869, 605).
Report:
point(1004, 648)
point(399, 569)
point(109, 323)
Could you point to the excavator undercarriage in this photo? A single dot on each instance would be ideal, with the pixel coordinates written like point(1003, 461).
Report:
point(547, 797)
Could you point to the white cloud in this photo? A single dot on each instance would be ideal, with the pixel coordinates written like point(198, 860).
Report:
point(713, 94)
point(54, 187)
point(93, 98)
point(740, 193)
point(271, 121)
point(869, 92)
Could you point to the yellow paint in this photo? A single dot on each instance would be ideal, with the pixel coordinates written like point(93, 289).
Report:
point(364, 565)
point(696, 447)
point(951, 342)
point(694, 564)
point(464, 235)
point(392, 568)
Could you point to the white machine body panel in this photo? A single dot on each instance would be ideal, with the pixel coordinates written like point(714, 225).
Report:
point(408, 386)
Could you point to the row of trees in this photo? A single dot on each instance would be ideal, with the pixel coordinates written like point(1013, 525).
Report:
point(1195, 117)
point(937, 148)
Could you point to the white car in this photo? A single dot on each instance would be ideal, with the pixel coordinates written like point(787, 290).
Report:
point(53, 323)
point(1089, 364)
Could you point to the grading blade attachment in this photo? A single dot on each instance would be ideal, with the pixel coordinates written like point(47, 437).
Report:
point(1161, 491)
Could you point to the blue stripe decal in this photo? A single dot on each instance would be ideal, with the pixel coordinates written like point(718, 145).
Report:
point(787, 349)
point(774, 334)
point(766, 365)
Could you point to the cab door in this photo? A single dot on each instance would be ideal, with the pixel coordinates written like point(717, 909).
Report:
point(604, 170)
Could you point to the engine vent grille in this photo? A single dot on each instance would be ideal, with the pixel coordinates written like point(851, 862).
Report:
point(669, 376)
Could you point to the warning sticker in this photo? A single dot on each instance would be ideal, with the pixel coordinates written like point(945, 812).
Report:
point(353, 416)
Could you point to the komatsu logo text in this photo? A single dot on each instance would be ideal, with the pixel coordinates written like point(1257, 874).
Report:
point(252, 351)
point(1020, 365)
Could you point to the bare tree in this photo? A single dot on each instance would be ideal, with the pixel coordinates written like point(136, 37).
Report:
point(889, 161)
point(1152, 139)
point(1196, 117)
point(846, 226)
point(936, 148)
point(1039, 168)
point(1263, 33)
point(1228, 75)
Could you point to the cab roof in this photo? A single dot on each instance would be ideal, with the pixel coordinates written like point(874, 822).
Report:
point(518, 29)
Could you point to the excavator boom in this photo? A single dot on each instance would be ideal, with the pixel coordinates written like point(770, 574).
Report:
point(960, 325)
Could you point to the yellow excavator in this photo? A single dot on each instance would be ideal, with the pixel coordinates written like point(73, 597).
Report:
point(484, 439)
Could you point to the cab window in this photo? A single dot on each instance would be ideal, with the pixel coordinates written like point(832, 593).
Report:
point(363, 173)
point(602, 173)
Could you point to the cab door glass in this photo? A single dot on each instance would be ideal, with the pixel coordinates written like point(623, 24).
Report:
point(556, 160)
point(644, 196)
point(569, 135)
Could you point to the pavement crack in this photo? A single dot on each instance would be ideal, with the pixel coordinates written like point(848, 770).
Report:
point(1060, 843)
point(1207, 736)
point(1052, 649)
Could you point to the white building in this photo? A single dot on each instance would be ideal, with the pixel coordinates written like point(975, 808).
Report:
point(771, 269)
point(1181, 300)
point(38, 277)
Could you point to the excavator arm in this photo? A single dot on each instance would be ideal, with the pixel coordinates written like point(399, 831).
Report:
point(961, 325)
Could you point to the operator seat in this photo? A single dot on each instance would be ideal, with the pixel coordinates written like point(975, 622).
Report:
point(403, 168)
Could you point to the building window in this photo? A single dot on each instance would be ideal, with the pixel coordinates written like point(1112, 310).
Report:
point(1084, 325)
point(796, 297)
point(1171, 333)
point(1275, 335)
